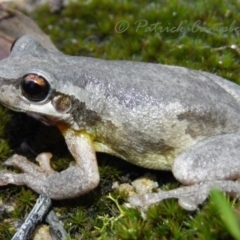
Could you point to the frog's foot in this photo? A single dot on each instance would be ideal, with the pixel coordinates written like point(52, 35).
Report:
point(31, 172)
point(26, 166)
point(69, 183)
point(189, 197)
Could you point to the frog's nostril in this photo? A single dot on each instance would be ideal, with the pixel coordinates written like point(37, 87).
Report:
point(35, 87)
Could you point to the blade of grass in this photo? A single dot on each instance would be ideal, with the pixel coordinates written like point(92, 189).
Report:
point(227, 215)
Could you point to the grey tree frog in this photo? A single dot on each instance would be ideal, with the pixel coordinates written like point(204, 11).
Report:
point(152, 115)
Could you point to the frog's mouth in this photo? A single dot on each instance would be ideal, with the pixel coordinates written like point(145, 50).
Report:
point(41, 118)
point(38, 117)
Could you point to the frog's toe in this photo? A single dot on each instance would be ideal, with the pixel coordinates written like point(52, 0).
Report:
point(19, 162)
point(36, 183)
point(8, 177)
point(144, 200)
point(4, 177)
point(189, 203)
point(12, 161)
point(31, 168)
point(44, 161)
point(137, 201)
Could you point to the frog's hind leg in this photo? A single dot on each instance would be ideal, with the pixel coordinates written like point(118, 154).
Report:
point(189, 197)
point(211, 163)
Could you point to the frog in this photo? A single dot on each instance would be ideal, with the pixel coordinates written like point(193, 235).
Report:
point(156, 116)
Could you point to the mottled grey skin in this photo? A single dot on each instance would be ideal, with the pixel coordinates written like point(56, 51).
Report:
point(152, 115)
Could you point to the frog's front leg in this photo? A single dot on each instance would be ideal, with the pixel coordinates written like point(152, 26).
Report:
point(211, 163)
point(76, 180)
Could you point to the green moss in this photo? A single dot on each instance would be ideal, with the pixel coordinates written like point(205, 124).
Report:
point(6, 230)
point(4, 146)
point(25, 200)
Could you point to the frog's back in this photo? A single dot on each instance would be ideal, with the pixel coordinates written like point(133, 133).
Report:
point(138, 83)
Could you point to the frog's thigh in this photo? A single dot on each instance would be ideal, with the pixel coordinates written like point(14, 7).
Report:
point(215, 158)
point(211, 163)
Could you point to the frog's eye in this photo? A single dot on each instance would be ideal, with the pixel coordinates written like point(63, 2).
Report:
point(35, 87)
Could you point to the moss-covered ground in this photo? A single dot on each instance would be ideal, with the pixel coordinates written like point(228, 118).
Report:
point(202, 35)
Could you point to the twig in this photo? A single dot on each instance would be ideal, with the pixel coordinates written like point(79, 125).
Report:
point(35, 217)
point(56, 228)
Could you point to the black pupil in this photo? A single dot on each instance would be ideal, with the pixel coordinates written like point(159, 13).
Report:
point(34, 87)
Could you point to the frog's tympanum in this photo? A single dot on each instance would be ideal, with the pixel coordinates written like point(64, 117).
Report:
point(152, 115)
